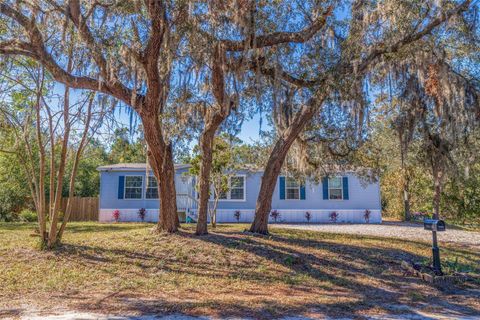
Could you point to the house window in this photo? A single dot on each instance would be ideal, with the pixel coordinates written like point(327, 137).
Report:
point(335, 188)
point(133, 187)
point(152, 188)
point(223, 196)
point(292, 189)
point(236, 189)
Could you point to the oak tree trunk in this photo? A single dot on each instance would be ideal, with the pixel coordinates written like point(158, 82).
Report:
point(406, 184)
point(168, 221)
point(213, 119)
point(274, 167)
point(160, 158)
point(267, 187)
point(206, 145)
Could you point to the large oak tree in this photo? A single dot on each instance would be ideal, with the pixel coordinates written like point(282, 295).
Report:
point(232, 35)
point(373, 33)
point(132, 46)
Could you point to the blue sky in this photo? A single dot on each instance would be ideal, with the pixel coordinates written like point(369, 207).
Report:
point(249, 132)
point(251, 129)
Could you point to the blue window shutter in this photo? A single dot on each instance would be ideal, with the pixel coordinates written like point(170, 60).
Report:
point(325, 188)
point(302, 192)
point(121, 185)
point(345, 188)
point(282, 188)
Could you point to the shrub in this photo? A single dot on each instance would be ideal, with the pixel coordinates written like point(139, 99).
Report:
point(308, 216)
point(141, 213)
point(237, 215)
point(61, 215)
point(275, 215)
point(419, 216)
point(334, 216)
point(8, 217)
point(366, 215)
point(116, 215)
point(28, 215)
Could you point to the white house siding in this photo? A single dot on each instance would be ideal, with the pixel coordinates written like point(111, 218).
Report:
point(128, 215)
point(298, 216)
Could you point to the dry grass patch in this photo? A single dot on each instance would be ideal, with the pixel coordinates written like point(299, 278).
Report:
point(127, 268)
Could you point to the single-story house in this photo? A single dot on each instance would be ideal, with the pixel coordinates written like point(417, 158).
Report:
point(131, 187)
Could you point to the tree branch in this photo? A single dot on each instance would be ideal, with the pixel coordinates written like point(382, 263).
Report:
point(279, 37)
point(36, 50)
point(151, 54)
point(395, 47)
point(75, 15)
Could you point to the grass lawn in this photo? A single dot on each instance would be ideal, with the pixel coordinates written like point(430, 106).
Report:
point(125, 268)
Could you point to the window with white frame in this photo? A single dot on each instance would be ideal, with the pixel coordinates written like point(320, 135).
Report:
point(335, 188)
point(236, 189)
point(224, 196)
point(152, 188)
point(133, 187)
point(292, 189)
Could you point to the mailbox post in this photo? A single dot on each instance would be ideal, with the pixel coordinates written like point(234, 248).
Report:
point(434, 226)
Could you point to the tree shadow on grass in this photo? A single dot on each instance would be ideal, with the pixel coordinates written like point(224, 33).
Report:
point(76, 227)
point(369, 264)
point(370, 275)
point(17, 226)
point(469, 255)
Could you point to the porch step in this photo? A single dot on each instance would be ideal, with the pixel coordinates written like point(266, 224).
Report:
point(191, 217)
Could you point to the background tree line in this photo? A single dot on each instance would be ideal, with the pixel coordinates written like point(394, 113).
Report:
point(121, 148)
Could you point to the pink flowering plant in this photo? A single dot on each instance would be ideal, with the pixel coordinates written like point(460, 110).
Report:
point(275, 215)
point(116, 215)
point(334, 216)
point(366, 215)
point(237, 215)
point(141, 213)
point(308, 216)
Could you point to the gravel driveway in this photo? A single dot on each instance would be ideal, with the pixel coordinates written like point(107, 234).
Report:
point(403, 230)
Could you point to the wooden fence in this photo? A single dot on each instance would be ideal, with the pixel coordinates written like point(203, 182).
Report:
point(83, 209)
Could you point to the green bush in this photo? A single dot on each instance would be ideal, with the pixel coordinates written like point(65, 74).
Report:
point(7, 217)
point(28, 215)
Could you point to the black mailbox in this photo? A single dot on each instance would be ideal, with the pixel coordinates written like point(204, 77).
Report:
point(434, 225)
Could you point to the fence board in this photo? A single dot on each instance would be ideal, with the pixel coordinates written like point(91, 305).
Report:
point(83, 209)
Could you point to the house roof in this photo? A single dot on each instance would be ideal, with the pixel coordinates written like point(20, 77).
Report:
point(141, 167)
point(133, 167)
